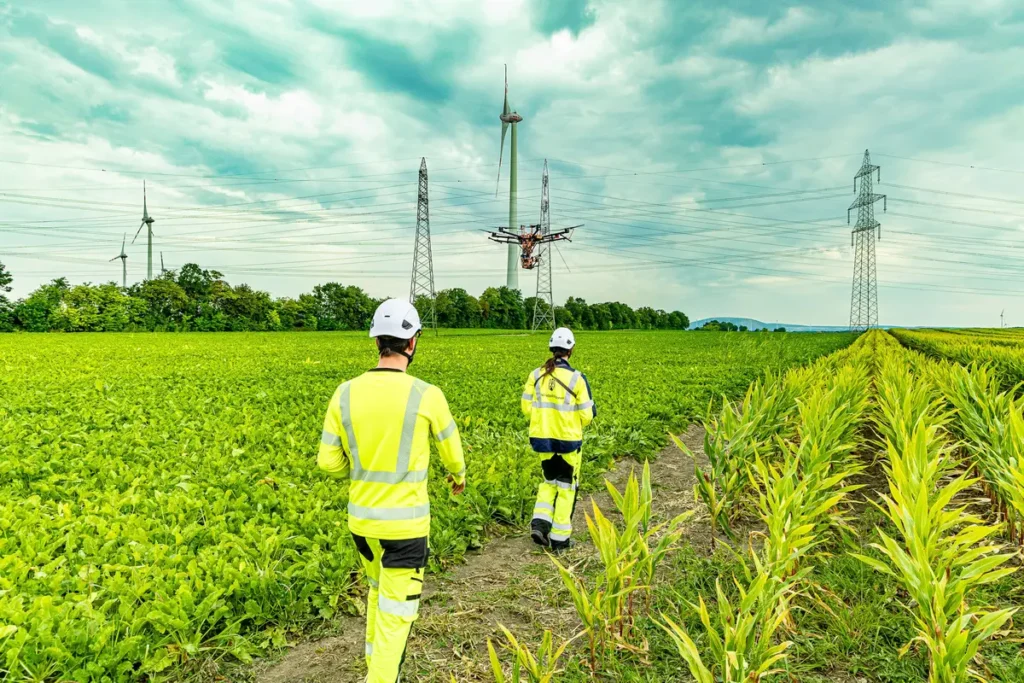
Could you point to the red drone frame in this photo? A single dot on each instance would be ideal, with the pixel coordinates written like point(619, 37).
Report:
point(528, 237)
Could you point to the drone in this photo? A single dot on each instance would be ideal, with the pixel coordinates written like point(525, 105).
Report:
point(528, 237)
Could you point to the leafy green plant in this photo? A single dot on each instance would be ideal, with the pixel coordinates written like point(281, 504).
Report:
point(132, 466)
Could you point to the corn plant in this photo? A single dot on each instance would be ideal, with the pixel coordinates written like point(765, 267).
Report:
point(744, 651)
point(635, 504)
point(991, 423)
point(600, 608)
point(940, 554)
point(730, 446)
point(742, 432)
point(903, 402)
point(799, 497)
point(619, 556)
point(799, 492)
point(539, 668)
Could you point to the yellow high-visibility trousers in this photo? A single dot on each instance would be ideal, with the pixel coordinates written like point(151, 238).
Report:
point(394, 570)
point(556, 499)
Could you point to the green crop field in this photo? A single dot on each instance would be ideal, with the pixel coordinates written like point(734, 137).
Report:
point(1003, 349)
point(159, 497)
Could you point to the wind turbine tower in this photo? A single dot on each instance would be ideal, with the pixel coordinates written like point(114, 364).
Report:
point(124, 264)
point(147, 221)
point(510, 118)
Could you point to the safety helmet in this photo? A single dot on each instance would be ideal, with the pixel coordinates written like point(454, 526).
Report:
point(395, 318)
point(562, 339)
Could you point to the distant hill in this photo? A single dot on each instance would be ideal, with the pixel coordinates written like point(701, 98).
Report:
point(752, 324)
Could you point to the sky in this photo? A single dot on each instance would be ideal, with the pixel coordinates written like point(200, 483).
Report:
point(708, 147)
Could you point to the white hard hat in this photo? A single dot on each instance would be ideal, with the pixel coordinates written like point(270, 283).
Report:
point(562, 339)
point(395, 318)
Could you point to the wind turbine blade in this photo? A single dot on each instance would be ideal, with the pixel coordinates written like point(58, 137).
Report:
point(501, 153)
point(138, 231)
point(115, 258)
point(506, 109)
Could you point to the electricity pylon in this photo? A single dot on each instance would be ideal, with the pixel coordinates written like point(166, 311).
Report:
point(864, 298)
point(544, 307)
point(422, 259)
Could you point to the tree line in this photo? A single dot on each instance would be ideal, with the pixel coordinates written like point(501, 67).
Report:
point(726, 326)
point(196, 299)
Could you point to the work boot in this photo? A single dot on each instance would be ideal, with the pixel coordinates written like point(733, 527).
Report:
point(559, 547)
point(539, 531)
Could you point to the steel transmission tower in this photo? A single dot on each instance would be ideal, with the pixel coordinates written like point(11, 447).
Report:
point(864, 299)
point(544, 308)
point(422, 259)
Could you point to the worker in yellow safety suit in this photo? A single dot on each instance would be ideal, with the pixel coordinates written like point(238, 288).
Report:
point(558, 401)
point(377, 435)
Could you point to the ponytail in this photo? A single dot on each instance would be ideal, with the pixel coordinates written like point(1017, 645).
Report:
point(556, 355)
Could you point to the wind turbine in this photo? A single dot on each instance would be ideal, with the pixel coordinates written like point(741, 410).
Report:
point(1001, 325)
point(124, 263)
point(147, 221)
point(162, 269)
point(510, 118)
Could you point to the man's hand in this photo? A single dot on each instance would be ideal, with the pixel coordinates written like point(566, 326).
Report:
point(457, 488)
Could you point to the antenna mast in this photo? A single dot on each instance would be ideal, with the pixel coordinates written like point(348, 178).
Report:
point(422, 259)
point(544, 308)
point(864, 298)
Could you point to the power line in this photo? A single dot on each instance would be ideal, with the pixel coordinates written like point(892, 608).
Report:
point(951, 163)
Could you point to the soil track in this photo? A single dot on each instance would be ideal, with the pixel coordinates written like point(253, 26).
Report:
point(508, 582)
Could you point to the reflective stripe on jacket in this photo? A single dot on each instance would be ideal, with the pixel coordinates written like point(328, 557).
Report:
point(557, 418)
point(377, 433)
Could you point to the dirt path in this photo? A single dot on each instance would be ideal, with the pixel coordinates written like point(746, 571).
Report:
point(508, 582)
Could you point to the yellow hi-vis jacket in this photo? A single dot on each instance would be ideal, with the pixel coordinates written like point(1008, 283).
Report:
point(557, 417)
point(377, 432)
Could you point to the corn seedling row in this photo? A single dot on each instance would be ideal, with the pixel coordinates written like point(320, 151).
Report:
point(940, 553)
point(629, 559)
point(798, 499)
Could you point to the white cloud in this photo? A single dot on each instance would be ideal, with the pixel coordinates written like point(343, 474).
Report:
point(604, 99)
point(745, 30)
point(293, 112)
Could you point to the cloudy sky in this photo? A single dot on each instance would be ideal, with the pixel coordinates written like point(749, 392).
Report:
point(708, 146)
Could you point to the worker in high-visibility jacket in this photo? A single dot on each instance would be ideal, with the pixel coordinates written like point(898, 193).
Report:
point(558, 400)
point(377, 435)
